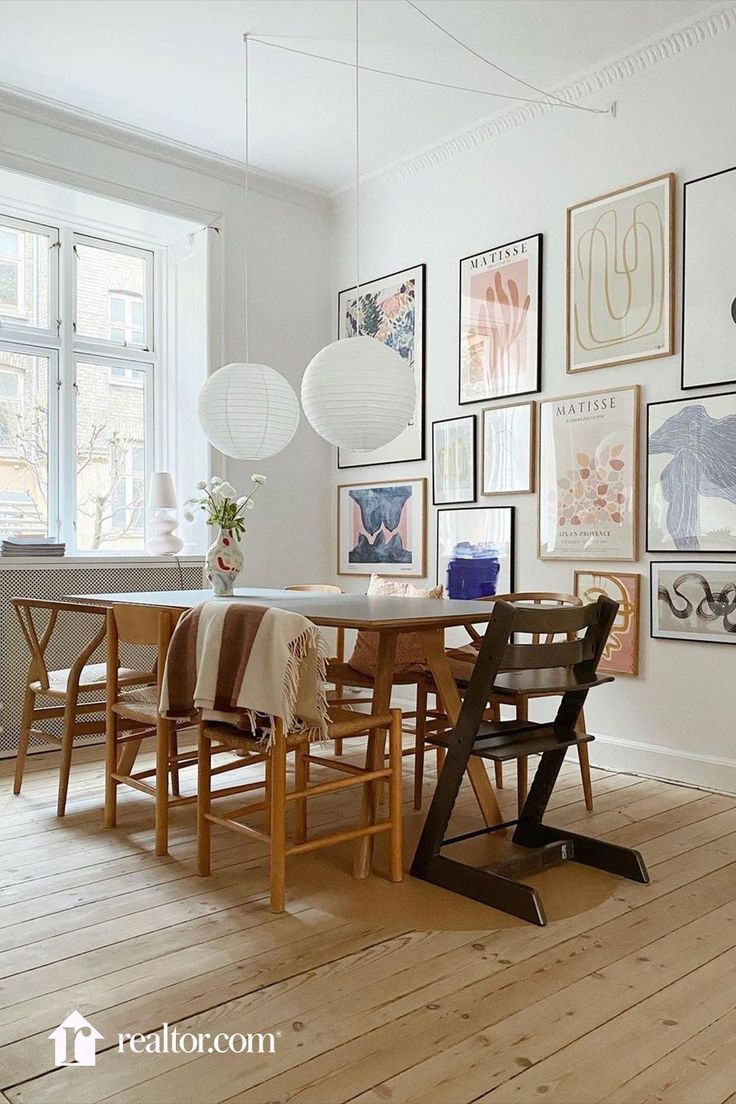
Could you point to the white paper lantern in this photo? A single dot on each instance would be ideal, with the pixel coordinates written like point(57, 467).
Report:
point(358, 393)
point(248, 411)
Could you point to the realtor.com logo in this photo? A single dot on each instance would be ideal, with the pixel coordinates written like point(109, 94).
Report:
point(74, 1042)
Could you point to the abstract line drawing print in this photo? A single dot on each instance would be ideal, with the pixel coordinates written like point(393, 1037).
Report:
point(621, 653)
point(691, 496)
point(508, 442)
point(619, 274)
point(622, 272)
point(715, 606)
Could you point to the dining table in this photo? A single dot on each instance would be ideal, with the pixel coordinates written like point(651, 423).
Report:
point(388, 617)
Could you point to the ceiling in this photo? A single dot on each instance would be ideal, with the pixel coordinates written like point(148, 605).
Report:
point(175, 68)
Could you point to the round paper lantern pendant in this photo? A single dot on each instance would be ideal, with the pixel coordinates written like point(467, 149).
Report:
point(358, 393)
point(248, 411)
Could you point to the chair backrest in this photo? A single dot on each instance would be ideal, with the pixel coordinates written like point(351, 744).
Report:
point(38, 638)
point(321, 588)
point(545, 598)
point(148, 626)
point(567, 639)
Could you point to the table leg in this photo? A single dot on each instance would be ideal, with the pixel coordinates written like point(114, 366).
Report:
point(433, 645)
point(382, 687)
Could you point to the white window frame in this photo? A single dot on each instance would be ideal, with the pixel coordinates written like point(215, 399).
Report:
point(20, 331)
point(20, 263)
point(69, 505)
point(149, 313)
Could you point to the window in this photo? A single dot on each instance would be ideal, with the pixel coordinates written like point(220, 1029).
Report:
point(77, 395)
point(26, 274)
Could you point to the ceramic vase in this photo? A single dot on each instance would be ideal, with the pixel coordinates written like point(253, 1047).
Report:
point(223, 563)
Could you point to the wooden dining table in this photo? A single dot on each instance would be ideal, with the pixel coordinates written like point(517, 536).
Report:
point(388, 617)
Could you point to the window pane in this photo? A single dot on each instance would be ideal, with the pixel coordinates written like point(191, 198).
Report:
point(24, 436)
point(111, 435)
point(24, 278)
point(108, 282)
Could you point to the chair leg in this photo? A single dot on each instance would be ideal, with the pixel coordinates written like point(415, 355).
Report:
point(419, 744)
point(301, 779)
point(494, 714)
point(111, 765)
point(441, 753)
point(522, 764)
point(278, 819)
point(162, 787)
point(67, 743)
point(396, 865)
point(585, 774)
point(498, 770)
point(173, 752)
point(25, 736)
point(204, 801)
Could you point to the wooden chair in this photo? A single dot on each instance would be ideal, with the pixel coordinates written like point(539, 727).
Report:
point(133, 715)
point(63, 687)
point(277, 798)
point(561, 663)
point(516, 696)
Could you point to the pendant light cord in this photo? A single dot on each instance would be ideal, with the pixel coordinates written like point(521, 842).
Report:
point(358, 309)
point(247, 195)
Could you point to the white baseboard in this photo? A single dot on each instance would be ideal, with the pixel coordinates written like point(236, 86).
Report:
point(708, 772)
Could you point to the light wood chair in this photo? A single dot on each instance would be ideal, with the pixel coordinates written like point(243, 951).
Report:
point(519, 691)
point(63, 687)
point(133, 715)
point(277, 797)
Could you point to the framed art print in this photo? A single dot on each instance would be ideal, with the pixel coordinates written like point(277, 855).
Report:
point(693, 601)
point(621, 653)
point(588, 474)
point(392, 311)
point(691, 474)
point(501, 321)
point(620, 285)
point(453, 460)
point(381, 528)
point(508, 449)
point(708, 292)
point(475, 551)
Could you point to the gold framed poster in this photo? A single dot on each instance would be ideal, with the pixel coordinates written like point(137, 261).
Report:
point(620, 276)
point(589, 476)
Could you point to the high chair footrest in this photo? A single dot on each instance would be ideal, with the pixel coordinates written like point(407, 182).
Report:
point(552, 854)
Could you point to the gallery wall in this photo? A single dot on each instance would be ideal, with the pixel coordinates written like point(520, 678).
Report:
point(289, 236)
point(675, 719)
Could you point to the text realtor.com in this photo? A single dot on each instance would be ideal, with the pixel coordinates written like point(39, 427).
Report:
point(75, 1042)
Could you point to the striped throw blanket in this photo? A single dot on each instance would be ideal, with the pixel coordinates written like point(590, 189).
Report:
point(245, 665)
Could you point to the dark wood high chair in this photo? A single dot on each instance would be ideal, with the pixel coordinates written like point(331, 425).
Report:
point(567, 667)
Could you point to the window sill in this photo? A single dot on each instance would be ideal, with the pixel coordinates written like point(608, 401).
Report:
point(112, 559)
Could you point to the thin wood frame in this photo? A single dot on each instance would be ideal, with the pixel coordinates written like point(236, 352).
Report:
point(374, 569)
point(421, 308)
point(715, 383)
point(635, 505)
point(512, 538)
point(636, 576)
point(474, 452)
point(532, 406)
point(538, 335)
point(669, 297)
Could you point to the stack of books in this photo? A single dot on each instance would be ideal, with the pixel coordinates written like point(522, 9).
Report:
point(31, 546)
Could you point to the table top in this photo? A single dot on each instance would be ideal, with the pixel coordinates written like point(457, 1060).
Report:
point(349, 611)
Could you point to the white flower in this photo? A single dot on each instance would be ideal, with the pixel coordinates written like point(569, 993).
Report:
point(250, 504)
point(226, 490)
point(215, 480)
point(258, 478)
point(242, 500)
point(188, 515)
point(201, 486)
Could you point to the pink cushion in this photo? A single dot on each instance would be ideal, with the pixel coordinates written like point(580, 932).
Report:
point(409, 655)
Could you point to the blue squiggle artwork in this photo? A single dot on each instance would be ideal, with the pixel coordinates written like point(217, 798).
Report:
point(703, 465)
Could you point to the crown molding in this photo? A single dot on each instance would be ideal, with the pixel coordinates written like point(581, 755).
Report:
point(86, 124)
point(714, 22)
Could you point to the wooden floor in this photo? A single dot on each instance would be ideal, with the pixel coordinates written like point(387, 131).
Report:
point(631, 1001)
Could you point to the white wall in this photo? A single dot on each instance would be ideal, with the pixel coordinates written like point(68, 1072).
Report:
point(288, 539)
point(676, 719)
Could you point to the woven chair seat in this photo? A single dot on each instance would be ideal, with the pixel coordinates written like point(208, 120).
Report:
point(93, 677)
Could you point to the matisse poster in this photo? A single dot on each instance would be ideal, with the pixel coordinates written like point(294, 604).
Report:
point(588, 468)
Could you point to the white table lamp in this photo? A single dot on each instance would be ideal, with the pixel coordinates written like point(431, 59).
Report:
point(162, 499)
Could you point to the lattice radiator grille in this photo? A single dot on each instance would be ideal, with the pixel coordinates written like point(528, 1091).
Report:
point(73, 631)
